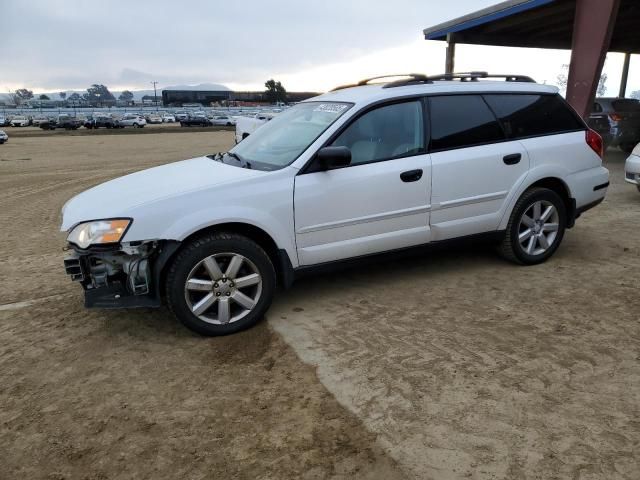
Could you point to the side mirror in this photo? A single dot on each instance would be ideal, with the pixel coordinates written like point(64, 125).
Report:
point(334, 157)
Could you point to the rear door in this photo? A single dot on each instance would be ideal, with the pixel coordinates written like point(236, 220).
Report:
point(378, 203)
point(475, 167)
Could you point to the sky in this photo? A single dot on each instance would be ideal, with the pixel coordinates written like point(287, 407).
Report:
point(53, 45)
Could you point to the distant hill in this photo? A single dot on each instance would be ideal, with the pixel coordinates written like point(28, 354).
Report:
point(137, 94)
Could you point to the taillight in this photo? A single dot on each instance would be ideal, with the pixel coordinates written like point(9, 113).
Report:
point(615, 117)
point(595, 142)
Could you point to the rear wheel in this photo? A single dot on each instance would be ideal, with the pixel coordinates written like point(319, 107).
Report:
point(536, 227)
point(220, 284)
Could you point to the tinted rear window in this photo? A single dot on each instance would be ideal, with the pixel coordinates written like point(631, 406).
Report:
point(529, 115)
point(626, 105)
point(459, 121)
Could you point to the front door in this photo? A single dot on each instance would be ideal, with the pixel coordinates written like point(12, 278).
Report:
point(378, 203)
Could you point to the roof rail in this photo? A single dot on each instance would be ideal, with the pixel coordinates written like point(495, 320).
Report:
point(413, 78)
point(462, 77)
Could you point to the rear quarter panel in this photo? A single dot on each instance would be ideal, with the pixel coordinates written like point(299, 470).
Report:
point(567, 157)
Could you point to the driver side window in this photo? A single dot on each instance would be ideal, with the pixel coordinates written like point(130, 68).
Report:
point(387, 132)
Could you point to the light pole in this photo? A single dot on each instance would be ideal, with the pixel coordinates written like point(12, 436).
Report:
point(155, 95)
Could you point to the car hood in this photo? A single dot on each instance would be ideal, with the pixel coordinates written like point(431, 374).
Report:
point(116, 198)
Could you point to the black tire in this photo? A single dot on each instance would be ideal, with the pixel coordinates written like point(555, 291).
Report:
point(510, 247)
point(627, 147)
point(197, 250)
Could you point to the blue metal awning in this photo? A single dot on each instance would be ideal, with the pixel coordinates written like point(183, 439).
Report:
point(487, 15)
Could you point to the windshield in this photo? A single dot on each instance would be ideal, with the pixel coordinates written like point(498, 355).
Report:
point(280, 141)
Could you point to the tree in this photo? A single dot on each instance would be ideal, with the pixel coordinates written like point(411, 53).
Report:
point(98, 95)
point(63, 95)
point(44, 97)
point(602, 85)
point(635, 94)
point(562, 81)
point(126, 96)
point(21, 95)
point(275, 92)
point(74, 97)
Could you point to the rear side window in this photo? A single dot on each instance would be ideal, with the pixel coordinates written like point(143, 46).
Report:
point(530, 115)
point(626, 105)
point(459, 121)
point(387, 132)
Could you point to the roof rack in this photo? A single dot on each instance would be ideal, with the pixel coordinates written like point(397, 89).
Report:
point(413, 78)
point(462, 77)
point(418, 78)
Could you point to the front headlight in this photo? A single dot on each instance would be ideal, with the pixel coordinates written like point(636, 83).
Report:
point(98, 232)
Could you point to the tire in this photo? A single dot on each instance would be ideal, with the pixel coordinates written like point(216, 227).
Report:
point(515, 250)
point(638, 187)
point(135, 125)
point(627, 147)
point(190, 264)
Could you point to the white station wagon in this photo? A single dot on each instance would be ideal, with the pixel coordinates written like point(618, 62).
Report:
point(361, 170)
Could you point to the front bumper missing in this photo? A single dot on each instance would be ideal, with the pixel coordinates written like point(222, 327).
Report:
point(120, 278)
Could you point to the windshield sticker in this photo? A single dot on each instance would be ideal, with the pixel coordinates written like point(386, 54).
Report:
point(330, 107)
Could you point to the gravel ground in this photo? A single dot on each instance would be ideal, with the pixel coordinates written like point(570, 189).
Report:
point(132, 394)
point(449, 365)
point(466, 366)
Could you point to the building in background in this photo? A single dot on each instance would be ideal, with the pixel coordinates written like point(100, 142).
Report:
point(177, 98)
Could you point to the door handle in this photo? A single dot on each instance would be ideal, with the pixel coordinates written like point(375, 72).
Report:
point(512, 159)
point(411, 176)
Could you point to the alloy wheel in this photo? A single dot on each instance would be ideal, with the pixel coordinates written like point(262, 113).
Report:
point(538, 228)
point(223, 288)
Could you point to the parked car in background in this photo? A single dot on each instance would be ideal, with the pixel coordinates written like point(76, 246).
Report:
point(340, 176)
point(3, 137)
point(20, 121)
point(38, 119)
point(63, 121)
point(624, 120)
point(101, 121)
point(132, 120)
point(168, 118)
point(223, 120)
point(181, 115)
point(245, 126)
point(632, 167)
point(154, 118)
point(195, 122)
point(3, 120)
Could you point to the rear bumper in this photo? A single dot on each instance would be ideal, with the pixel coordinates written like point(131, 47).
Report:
point(589, 188)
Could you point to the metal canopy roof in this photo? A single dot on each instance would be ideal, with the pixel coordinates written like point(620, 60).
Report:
point(535, 23)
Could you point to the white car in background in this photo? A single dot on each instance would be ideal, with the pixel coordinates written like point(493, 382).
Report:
point(632, 167)
point(168, 118)
point(3, 121)
point(223, 120)
point(181, 115)
point(132, 120)
point(361, 170)
point(245, 126)
point(19, 121)
point(3, 137)
point(154, 118)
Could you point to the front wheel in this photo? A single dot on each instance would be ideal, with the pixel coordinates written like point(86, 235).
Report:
point(220, 284)
point(536, 227)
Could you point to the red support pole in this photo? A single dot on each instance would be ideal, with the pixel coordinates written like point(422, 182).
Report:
point(592, 30)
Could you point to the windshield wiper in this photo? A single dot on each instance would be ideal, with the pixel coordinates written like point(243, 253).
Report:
point(219, 157)
point(242, 161)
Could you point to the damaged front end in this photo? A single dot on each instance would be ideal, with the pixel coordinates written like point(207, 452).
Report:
point(120, 276)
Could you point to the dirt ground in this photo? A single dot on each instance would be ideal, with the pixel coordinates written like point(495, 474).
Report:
point(449, 365)
point(104, 395)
